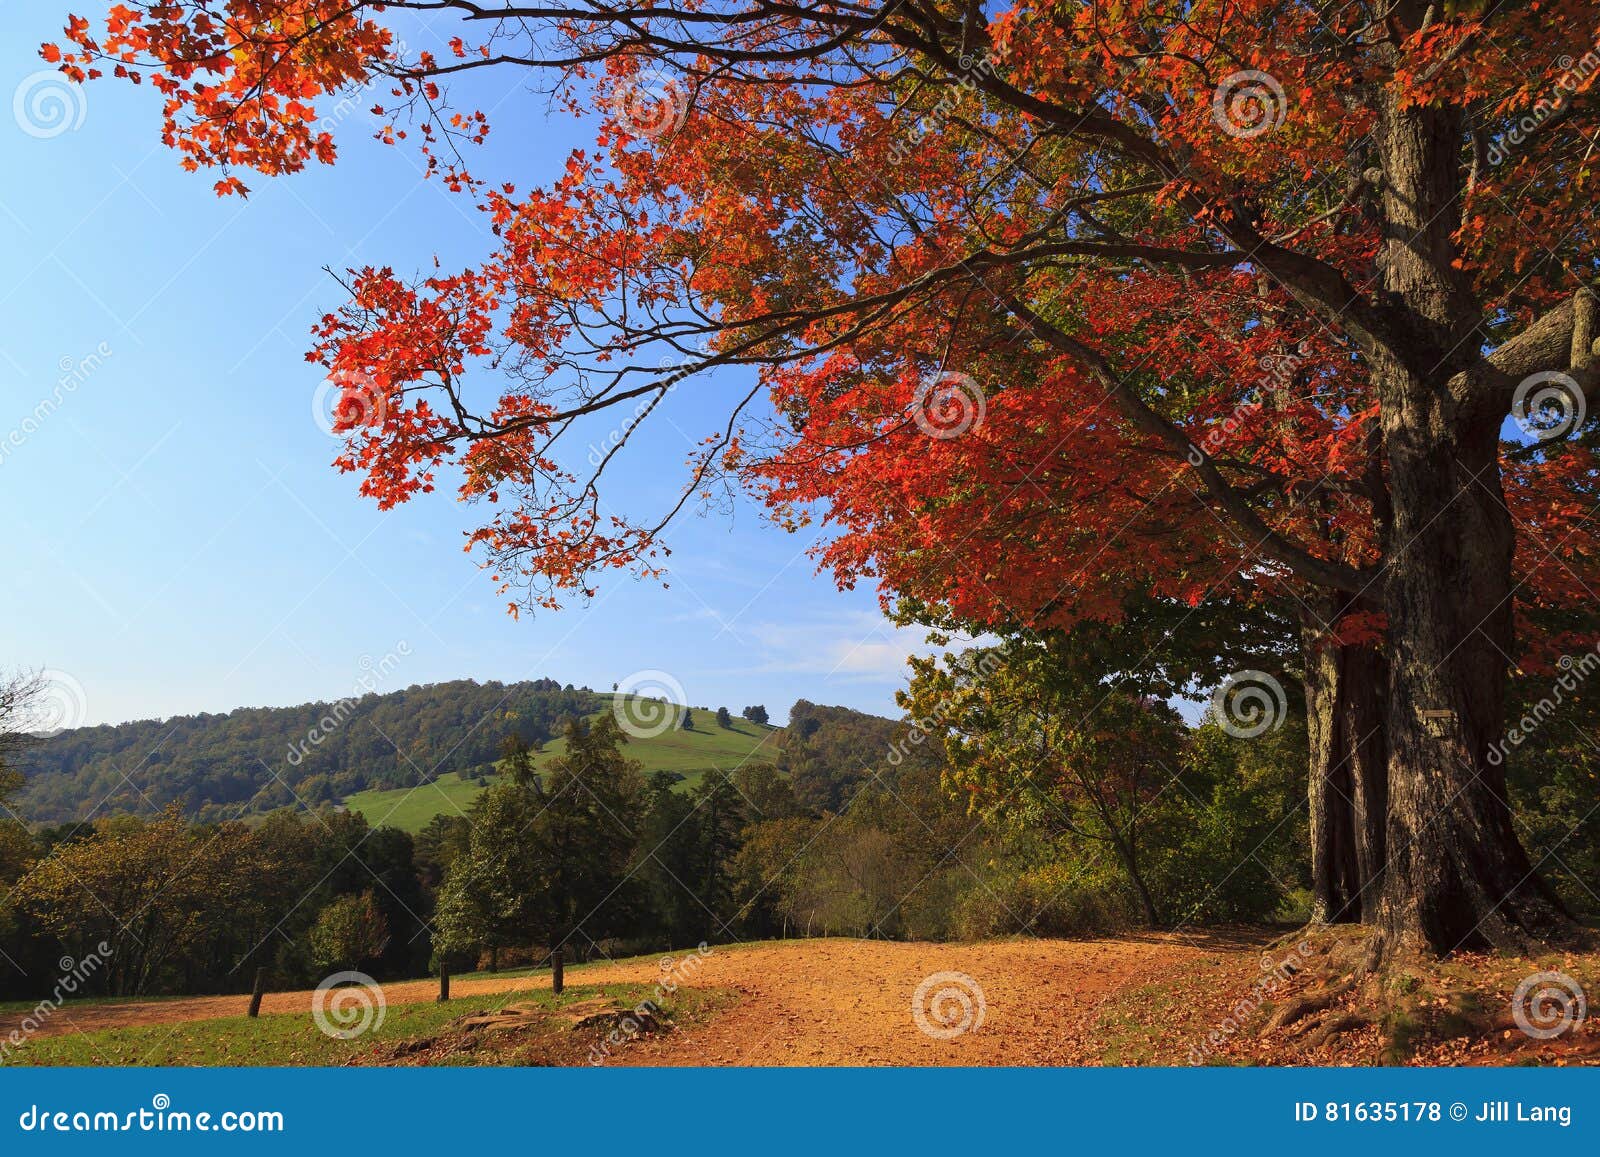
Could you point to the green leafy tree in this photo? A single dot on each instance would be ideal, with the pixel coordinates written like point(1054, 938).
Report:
point(756, 714)
point(437, 845)
point(766, 792)
point(772, 876)
point(349, 933)
point(16, 846)
point(490, 900)
point(1034, 734)
point(828, 751)
point(17, 853)
point(723, 718)
point(162, 895)
point(587, 832)
point(548, 862)
point(517, 759)
point(18, 694)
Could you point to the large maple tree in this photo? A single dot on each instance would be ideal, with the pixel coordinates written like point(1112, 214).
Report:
point(1059, 303)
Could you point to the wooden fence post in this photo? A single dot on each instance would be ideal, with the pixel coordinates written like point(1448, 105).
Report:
point(258, 991)
point(558, 980)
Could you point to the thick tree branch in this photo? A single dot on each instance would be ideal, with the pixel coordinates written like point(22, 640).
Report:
point(1561, 340)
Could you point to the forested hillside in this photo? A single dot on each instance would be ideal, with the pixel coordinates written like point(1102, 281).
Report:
point(828, 751)
point(255, 759)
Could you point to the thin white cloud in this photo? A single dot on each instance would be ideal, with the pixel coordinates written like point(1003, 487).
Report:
point(851, 646)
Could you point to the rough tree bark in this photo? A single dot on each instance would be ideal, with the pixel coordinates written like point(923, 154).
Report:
point(1348, 774)
point(1456, 874)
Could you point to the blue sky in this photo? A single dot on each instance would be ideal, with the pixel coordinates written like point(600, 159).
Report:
point(178, 541)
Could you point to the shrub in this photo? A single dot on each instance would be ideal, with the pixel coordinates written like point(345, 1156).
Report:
point(1059, 899)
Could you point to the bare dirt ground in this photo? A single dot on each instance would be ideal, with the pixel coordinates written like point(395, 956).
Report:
point(826, 1002)
point(848, 1002)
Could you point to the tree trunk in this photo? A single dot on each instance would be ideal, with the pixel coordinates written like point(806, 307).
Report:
point(1147, 902)
point(1127, 852)
point(1457, 877)
point(1348, 772)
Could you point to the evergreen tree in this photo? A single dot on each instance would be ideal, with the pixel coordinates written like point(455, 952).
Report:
point(516, 761)
point(546, 864)
point(719, 822)
point(667, 862)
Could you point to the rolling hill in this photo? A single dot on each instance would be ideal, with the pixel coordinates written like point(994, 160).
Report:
point(687, 753)
point(370, 750)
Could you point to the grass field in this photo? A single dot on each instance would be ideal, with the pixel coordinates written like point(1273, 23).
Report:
point(410, 808)
point(689, 753)
point(295, 1039)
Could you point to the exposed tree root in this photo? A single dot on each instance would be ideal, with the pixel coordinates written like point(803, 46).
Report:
point(1303, 1006)
point(1334, 1024)
point(1330, 996)
point(1351, 978)
point(1341, 970)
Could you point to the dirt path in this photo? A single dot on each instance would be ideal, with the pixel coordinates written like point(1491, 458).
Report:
point(820, 1002)
point(845, 1002)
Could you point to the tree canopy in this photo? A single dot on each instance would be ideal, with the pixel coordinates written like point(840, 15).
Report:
point(1056, 303)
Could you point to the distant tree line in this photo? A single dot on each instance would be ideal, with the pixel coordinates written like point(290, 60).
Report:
point(195, 908)
point(254, 760)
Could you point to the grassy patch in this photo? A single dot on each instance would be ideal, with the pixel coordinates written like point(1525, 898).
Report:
point(1162, 1023)
point(410, 808)
point(9, 1006)
point(688, 753)
point(575, 970)
point(410, 1033)
point(553, 1041)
